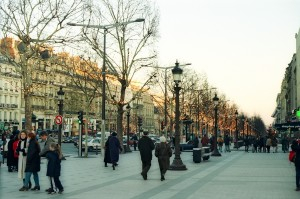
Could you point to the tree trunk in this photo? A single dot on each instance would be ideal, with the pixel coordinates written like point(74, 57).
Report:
point(27, 84)
point(28, 111)
point(120, 125)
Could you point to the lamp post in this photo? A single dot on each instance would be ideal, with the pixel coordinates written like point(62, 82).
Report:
point(165, 94)
point(128, 115)
point(216, 151)
point(61, 95)
point(177, 163)
point(105, 28)
point(236, 129)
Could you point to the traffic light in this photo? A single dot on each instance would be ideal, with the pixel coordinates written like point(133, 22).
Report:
point(80, 117)
point(140, 121)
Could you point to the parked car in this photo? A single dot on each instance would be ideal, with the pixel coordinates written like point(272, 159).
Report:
point(92, 144)
point(186, 146)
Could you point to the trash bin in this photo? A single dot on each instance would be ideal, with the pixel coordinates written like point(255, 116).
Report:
point(197, 155)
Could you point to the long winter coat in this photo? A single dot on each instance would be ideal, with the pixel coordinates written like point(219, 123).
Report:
point(22, 145)
point(10, 154)
point(107, 158)
point(53, 167)
point(33, 163)
point(146, 146)
point(163, 153)
point(114, 149)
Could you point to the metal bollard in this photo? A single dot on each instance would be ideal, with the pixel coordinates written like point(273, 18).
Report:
point(96, 150)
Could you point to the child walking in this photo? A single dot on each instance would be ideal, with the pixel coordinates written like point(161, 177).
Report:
point(53, 168)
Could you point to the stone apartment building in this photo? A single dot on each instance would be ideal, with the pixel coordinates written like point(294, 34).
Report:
point(47, 78)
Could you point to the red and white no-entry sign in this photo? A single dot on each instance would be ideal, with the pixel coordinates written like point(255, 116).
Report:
point(58, 119)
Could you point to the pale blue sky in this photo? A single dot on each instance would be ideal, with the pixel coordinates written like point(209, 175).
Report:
point(243, 46)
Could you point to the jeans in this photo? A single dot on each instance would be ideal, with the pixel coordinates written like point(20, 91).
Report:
point(297, 177)
point(35, 178)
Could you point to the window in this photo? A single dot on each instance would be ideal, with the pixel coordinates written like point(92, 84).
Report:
point(16, 115)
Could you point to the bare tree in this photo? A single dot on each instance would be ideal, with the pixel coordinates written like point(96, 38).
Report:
point(84, 75)
point(35, 24)
point(128, 46)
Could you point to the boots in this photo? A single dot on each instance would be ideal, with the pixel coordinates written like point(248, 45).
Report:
point(105, 164)
point(162, 178)
point(24, 189)
point(35, 188)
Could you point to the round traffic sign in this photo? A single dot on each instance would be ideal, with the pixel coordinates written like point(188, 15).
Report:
point(58, 119)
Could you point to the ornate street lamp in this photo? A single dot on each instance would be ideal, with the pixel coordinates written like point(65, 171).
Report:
point(128, 115)
point(61, 96)
point(236, 129)
point(216, 151)
point(177, 163)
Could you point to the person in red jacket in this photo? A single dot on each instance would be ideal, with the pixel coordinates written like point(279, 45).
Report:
point(16, 155)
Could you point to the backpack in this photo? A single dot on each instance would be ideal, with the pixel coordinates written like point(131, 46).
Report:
point(292, 156)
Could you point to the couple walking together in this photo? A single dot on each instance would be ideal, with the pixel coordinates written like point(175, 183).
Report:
point(163, 153)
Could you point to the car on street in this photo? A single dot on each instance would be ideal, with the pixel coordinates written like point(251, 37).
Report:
point(92, 144)
point(186, 146)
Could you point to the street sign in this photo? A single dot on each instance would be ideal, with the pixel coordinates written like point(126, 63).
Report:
point(58, 119)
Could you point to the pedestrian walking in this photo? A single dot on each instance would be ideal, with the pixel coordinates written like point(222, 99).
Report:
point(114, 149)
point(163, 152)
point(22, 152)
point(135, 140)
point(33, 163)
point(204, 141)
point(12, 161)
point(296, 147)
point(196, 142)
point(285, 144)
point(247, 142)
point(146, 146)
point(54, 156)
point(274, 144)
point(107, 158)
point(227, 143)
point(268, 144)
point(220, 142)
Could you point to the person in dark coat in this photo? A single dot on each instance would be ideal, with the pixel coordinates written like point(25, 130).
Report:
point(135, 141)
point(11, 161)
point(114, 149)
point(146, 146)
point(163, 152)
point(33, 163)
point(107, 158)
point(54, 156)
point(196, 142)
point(227, 143)
point(296, 147)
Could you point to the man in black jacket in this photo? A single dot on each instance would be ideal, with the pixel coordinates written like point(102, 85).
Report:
point(146, 146)
point(296, 147)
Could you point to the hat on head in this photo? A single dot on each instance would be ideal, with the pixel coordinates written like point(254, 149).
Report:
point(114, 133)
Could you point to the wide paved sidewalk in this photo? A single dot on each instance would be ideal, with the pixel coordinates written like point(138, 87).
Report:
point(234, 175)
